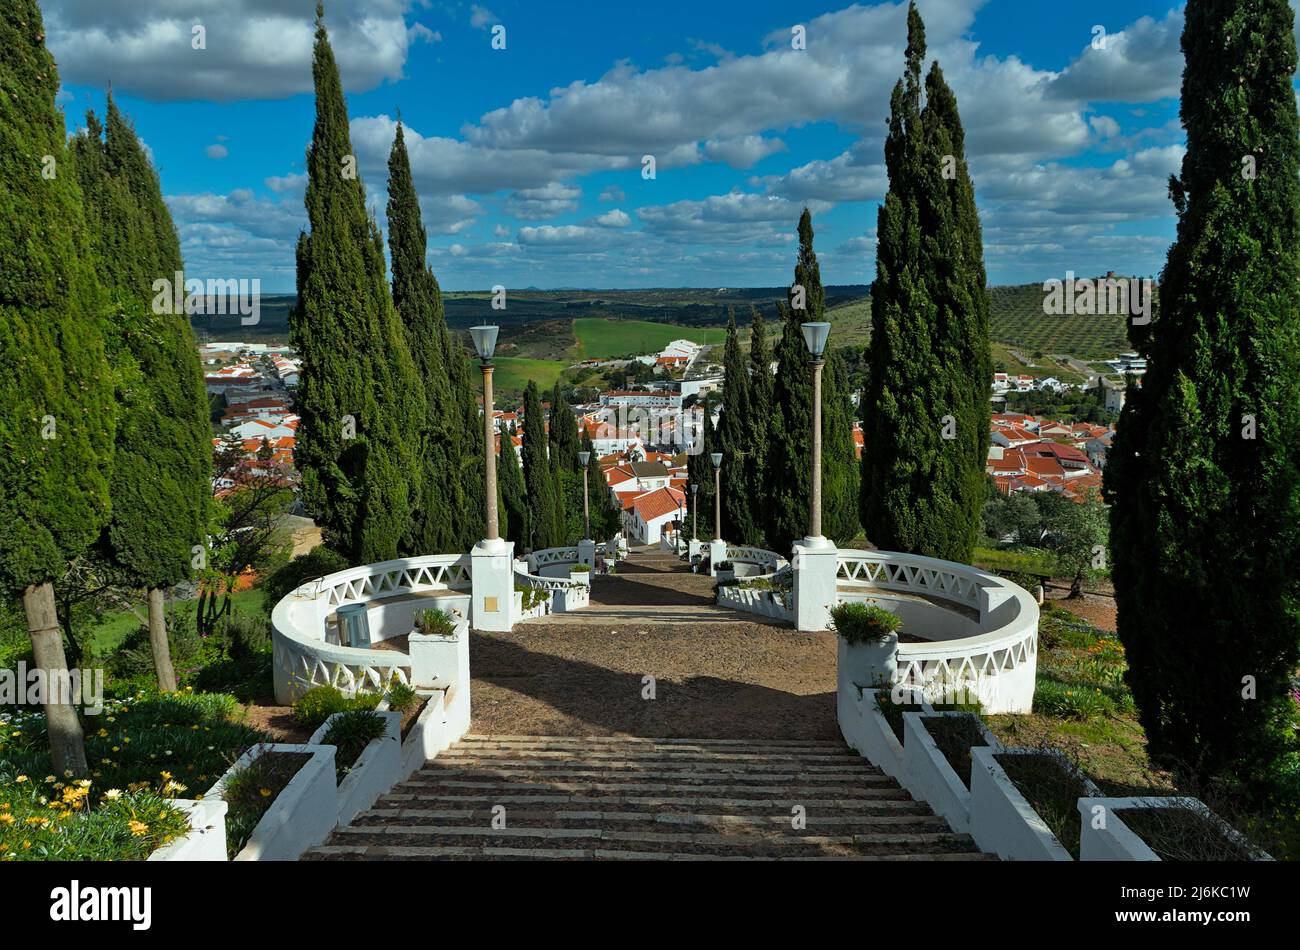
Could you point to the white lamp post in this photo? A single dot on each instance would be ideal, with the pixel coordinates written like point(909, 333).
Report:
point(695, 512)
point(814, 336)
point(485, 343)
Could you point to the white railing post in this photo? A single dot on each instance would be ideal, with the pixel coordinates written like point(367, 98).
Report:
point(815, 585)
point(493, 582)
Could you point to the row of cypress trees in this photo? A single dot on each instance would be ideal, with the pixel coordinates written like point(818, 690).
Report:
point(102, 409)
point(390, 448)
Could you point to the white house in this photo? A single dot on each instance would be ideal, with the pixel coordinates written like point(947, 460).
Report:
point(651, 512)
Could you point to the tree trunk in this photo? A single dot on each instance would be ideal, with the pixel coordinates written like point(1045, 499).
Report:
point(73, 647)
point(162, 654)
point(67, 743)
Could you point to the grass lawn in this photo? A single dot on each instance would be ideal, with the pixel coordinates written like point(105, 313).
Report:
point(105, 637)
point(600, 339)
point(1025, 562)
point(513, 373)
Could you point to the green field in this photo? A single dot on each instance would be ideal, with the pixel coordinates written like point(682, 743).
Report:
point(1016, 317)
point(514, 373)
point(600, 339)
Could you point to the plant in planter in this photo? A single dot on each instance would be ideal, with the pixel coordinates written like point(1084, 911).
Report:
point(580, 569)
point(434, 623)
point(253, 789)
point(401, 697)
point(868, 648)
point(350, 732)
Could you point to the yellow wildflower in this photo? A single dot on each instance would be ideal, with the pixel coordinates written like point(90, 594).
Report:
point(138, 828)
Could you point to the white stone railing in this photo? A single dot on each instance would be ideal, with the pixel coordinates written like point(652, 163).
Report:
point(303, 657)
point(766, 562)
point(552, 557)
point(988, 644)
point(775, 604)
point(566, 593)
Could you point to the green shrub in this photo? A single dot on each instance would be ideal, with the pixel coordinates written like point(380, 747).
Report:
point(401, 697)
point(350, 733)
point(1178, 833)
point(131, 664)
point(320, 702)
point(433, 622)
point(304, 567)
point(580, 569)
point(863, 623)
point(253, 789)
point(534, 596)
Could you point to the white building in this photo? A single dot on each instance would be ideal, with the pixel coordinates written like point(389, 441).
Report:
point(651, 512)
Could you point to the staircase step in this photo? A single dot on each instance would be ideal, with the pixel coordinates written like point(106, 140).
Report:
point(634, 798)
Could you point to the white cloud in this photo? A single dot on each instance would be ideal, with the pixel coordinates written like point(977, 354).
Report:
point(255, 49)
point(743, 151)
point(735, 218)
point(615, 218)
point(612, 193)
point(1141, 63)
point(481, 17)
point(535, 204)
point(216, 151)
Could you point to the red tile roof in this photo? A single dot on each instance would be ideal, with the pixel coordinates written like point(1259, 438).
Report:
point(660, 502)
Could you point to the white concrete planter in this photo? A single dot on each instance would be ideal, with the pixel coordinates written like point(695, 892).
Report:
point(302, 815)
point(1105, 837)
point(868, 731)
point(868, 665)
point(1002, 821)
point(541, 610)
point(765, 603)
point(929, 777)
point(580, 577)
point(375, 770)
point(206, 840)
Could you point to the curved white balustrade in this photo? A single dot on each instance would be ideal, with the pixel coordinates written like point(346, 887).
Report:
point(304, 657)
point(987, 642)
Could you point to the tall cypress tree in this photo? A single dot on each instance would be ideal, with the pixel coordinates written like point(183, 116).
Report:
point(604, 515)
point(758, 425)
point(839, 460)
point(514, 501)
point(359, 396)
point(1204, 477)
point(738, 506)
point(789, 476)
point(162, 471)
point(925, 408)
point(699, 469)
point(545, 530)
point(564, 431)
point(418, 300)
point(56, 398)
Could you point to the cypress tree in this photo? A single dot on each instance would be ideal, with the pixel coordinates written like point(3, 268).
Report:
point(738, 506)
point(1204, 478)
point(605, 520)
point(839, 460)
point(759, 423)
point(925, 408)
point(162, 469)
point(514, 503)
point(699, 468)
point(56, 400)
point(545, 530)
point(360, 400)
point(418, 301)
point(789, 476)
point(564, 431)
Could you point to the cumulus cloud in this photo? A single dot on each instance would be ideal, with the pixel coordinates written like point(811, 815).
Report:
point(216, 151)
point(612, 193)
point(1141, 63)
point(734, 218)
point(743, 151)
point(254, 49)
point(613, 219)
point(549, 201)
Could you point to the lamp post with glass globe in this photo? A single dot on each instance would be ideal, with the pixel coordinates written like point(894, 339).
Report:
point(586, 546)
point(814, 336)
point(491, 560)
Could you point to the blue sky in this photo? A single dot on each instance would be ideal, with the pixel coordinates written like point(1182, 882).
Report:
point(528, 159)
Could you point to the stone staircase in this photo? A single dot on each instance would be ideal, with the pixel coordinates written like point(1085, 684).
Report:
point(563, 797)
